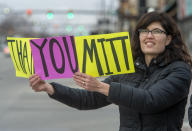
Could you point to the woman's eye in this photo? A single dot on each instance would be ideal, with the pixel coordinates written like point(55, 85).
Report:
point(145, 31)
point(156, 31)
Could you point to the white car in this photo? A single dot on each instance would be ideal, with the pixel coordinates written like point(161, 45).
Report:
point(6, 51)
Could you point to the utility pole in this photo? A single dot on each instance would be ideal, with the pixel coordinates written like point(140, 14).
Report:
point(142, 7)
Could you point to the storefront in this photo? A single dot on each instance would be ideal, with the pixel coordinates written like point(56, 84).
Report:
point(186, 28)
point(184, 14)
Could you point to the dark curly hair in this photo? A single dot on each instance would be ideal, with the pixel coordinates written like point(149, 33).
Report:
point(177, 49)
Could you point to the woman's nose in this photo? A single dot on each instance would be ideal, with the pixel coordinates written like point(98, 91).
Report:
point(150, 35)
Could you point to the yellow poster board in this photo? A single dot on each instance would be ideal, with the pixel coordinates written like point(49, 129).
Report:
point(106, 54)
point(21, 55)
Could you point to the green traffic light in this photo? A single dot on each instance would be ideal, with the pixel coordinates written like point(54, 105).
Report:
point(50, 15)
point(69, 28)
point(70, 15)
point(81, 28)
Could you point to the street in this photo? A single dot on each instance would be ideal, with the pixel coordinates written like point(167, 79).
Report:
point(24, 110)
point(21, 109)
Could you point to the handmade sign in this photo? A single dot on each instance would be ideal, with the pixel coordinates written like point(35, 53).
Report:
point(61, 57)
point(54, 57)
point(20, 52)
point(107, 54)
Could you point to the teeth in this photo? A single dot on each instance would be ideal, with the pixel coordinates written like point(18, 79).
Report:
point(149, 43)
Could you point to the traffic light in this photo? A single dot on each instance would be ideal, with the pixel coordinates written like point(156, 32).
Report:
point(50, 15)
point(29, 12)
point(69, 28)
point(80, 28)
point(70, 15)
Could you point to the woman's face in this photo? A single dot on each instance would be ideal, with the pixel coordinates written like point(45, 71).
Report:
point(153, 39)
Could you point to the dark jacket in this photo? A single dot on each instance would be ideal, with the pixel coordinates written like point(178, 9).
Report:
point(190, 112)
point(151, 99)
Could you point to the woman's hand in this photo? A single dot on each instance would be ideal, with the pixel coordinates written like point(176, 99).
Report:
point(90, 83)
point(39, 85)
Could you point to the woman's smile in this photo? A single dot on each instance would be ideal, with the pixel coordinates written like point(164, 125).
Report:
point(149, 44)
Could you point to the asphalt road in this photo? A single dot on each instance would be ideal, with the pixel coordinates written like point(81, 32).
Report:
point(21, 109)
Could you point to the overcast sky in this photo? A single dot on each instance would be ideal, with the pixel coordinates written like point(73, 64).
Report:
point(53, 4)
point(63, 4)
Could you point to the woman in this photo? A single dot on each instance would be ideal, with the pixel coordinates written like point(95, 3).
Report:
point(151, 99)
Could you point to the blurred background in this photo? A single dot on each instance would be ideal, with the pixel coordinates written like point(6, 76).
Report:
point(23, 110)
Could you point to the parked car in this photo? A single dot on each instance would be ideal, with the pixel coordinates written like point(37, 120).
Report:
point(6, 51)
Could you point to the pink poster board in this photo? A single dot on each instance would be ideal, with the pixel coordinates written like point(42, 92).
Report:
point(54, 57)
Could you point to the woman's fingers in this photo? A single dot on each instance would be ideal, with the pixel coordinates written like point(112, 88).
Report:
point(33, 76)
point(36, 83)
point(79, 82)
point(80, 76)
point(88, 82)
point(33, 80)
point(38, 89)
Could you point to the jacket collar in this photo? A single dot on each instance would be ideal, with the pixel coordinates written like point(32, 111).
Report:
point(140, 62)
